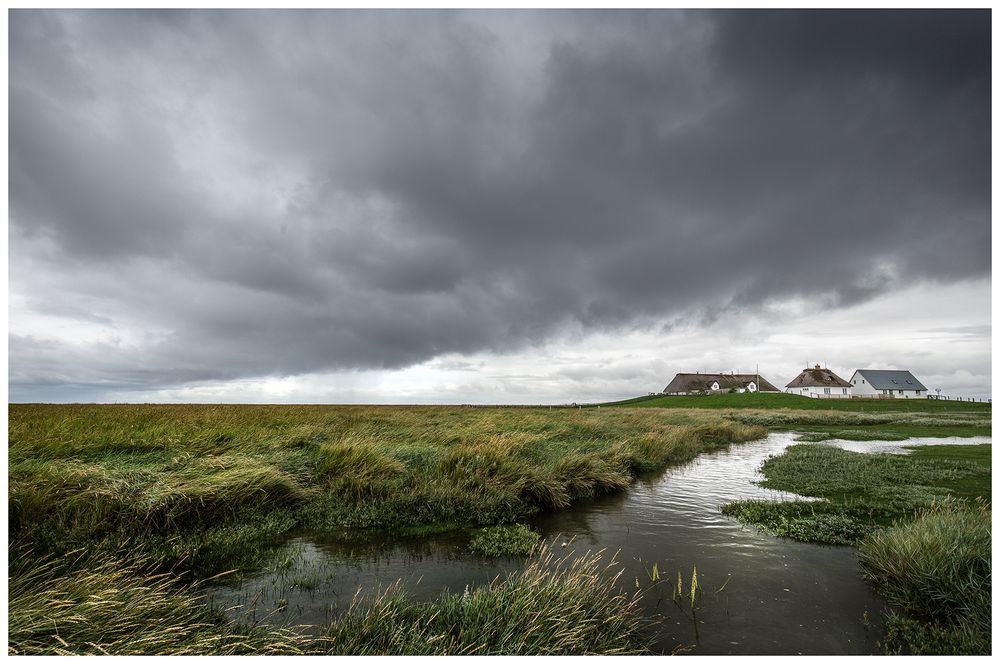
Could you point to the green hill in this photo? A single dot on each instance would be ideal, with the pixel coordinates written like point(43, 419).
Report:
point(780, 400)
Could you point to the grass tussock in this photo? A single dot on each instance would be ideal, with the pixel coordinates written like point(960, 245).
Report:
point(511, 540)
point(553, 607)
point(937, 569)
point(80, 605)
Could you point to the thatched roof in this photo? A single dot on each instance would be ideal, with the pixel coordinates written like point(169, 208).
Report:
point(699, 382)
point(817, 377)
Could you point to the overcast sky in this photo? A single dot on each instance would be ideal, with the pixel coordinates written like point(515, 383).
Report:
point(492, 206)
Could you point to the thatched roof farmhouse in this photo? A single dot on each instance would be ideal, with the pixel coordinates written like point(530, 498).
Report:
point(819, 382)
point(698, 383)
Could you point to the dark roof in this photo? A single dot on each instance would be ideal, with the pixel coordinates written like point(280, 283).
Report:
point(817, 377)
point(882, 379)
point(700, 382)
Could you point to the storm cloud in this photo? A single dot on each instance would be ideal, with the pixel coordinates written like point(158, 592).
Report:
point(212, 196)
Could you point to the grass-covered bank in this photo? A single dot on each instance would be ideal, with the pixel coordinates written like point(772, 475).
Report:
point(190, 491)
point(822, 419)
point(922, 524)
point(778, 400)
point(208, 487)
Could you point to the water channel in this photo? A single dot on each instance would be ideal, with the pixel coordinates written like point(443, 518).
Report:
point(760, 594)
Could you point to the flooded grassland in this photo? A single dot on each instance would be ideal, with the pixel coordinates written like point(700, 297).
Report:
point(332, 525)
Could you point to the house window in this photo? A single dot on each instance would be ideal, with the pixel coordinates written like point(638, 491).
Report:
point(826, 390)
point(845, 390)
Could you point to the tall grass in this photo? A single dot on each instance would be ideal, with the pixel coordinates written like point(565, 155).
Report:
point(86, 605)
point(175, 479)
point(553, 607)
point(937, 569)
point(159, 493)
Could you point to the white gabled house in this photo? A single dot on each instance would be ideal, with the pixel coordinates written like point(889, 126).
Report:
point(819, 383)
point(887, 384)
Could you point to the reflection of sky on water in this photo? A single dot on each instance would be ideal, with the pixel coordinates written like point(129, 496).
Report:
point(761, 594)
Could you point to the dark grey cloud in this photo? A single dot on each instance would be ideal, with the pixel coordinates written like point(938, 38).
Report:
point(249, 193)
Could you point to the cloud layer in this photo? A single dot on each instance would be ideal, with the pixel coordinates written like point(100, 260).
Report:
point(213, 196)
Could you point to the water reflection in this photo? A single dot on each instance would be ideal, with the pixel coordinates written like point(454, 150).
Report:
point(759, 594)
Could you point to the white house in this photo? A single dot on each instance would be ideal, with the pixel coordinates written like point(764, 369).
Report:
point(887, 384)
point(819, 383)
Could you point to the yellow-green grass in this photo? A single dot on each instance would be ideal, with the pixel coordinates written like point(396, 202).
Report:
point(160, 496)
point(552, 607)
point(187, 480)
point(87, 604)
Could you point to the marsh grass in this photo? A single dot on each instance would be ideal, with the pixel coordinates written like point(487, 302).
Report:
point(817, 425)
point(87, 605)
point(922, 524)
point(861, 491)
point(160, 496)
point(937, 570)
point(95, 605)
point(552, 607)
point(512, 540)
point(849, 434)
point(195, 485)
